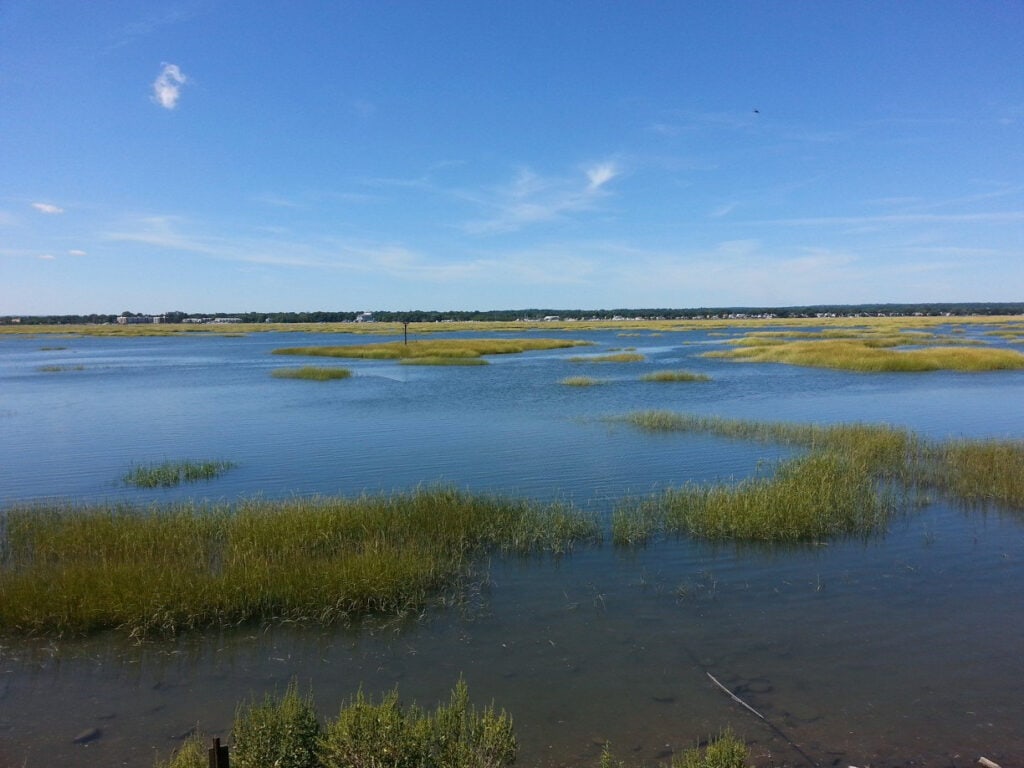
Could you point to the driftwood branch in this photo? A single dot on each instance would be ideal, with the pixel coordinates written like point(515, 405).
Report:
point(733, 696)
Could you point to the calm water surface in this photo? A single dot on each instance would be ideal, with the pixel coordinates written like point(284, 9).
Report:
point(904, 650)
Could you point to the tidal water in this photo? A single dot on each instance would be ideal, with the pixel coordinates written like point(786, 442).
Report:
point(901, 650)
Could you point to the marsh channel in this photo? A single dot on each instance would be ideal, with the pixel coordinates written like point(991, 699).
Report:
point(900, 649)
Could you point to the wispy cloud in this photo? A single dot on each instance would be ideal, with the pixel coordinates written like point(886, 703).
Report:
point(600, 175)
point(533, 199)
point(46, 257)
point(167, 86)
point(991, 217)
point(48, 208)
point(77, 252)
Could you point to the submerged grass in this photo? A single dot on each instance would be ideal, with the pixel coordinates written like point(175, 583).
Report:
point(171, 473)
point(849, 481)
point(164, 569)
point(615, 357)
point(580, 381)
point(674, 376)
point(441, 360)
point(60, 368)
point(312, 373)
point(446, 348)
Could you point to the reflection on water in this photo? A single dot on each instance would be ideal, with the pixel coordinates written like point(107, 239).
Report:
point(897, 651)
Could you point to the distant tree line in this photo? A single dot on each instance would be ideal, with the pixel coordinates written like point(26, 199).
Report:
point(505, 315)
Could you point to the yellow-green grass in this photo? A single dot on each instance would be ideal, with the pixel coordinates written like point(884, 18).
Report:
point(615, 357)
point(674, 376)
point(849, 481)
point(860, 356)
point(982, 472)
point(312, 373)
point(448, 348)
point(579, 381)
point(170, 473)
point(68, 569)
point(440, 360)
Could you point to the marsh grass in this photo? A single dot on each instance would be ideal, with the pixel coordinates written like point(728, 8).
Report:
point(312, 373)
point(981, 472)
point(170, 473)
point(164, 569)
point(441, 360)
point(851, 479)
point(874, 357)
point(580, 381)
point(446, 348)
point(615, 357)
point(674, 376)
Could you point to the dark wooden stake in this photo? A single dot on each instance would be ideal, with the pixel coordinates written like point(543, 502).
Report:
point(219, 755)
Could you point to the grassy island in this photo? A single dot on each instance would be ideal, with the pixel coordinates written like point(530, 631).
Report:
point(444, 348)
point(163, 569)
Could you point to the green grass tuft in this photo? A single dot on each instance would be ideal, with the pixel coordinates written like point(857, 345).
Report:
point(616, 357)
point(312, 373)
point(674, 376)
point(579, 381)
point(171, 473)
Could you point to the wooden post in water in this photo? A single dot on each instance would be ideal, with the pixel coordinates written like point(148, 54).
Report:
point(219, 757)
point(405, 330)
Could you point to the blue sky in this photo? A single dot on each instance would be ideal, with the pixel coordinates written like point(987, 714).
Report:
point(281, 156)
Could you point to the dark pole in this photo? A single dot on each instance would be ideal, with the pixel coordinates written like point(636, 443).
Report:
point(405, 329)
point(219, 755)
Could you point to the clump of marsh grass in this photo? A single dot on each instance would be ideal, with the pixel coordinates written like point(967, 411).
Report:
point(674, 376)
point(165, 569)
point(850, 481)
point(816, 497)
point(579, 381)
point(615, 357)
point(447, 348)
point(982, 472)
point(171, 473)
point(312, 373)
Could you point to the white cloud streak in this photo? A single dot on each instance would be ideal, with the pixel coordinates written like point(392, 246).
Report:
point(532, 199)
point(167, 86)
point(48, 208)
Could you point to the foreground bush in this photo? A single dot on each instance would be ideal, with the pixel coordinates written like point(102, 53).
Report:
point(284, 732)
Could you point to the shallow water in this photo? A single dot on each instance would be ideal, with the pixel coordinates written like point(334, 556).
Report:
point(902, 650)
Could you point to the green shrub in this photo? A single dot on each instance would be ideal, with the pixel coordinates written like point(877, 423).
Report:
point(193, 753)
point(727, 751)
point(455, 735)
point(280, 732)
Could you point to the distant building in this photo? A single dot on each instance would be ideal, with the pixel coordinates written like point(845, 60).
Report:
point(139, 319)
point(364, 317)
